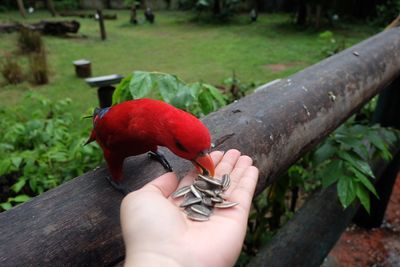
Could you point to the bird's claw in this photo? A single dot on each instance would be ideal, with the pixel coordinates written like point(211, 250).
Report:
point(160, 158)
point(120, 187)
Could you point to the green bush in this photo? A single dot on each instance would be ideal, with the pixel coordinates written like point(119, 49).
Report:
point(11, 70)
point(198, 98)
point(29, 41)
point(66, 4)
point(39, 149)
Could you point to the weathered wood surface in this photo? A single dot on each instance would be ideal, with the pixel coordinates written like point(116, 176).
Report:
point(45, 27)
point(78, 222)
point(307, 238)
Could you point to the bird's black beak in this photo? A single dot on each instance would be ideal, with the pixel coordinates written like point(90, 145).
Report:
point(204, 164)
point(91, 138)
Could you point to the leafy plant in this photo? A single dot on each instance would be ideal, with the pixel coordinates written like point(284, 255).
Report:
point(39, 67)
point(40, 149)
point(29, 41)
point(11, 71)
point(345, 157)
point(198, 98)
point(387, 12)
point(331, 45)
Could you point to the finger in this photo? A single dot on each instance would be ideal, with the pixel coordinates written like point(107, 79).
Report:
point(216, 156)
point(243, 192)
point(165, 184)
point(227, 163)
point(240, 167)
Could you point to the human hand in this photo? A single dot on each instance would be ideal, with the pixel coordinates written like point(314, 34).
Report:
point(157, 233)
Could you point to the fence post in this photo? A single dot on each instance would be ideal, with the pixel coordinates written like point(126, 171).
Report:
point(387, 114)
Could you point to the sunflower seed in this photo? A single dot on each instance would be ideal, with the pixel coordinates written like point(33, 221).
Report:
point(201, 185)
point(210, 193)
point(197, 216)
point(226, 182)
point(225, 204)
point(210, 180)
point(201, 209)
point(181, 191)
point(195, 191)
point(203, 195)
point(217, 199)
point(190, 201)
point(207, 201)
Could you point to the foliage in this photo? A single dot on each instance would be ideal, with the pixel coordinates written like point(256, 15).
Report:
point(11, 71)
point(29, 41)
point(236, 89)
point(331, 45)
point(198, 98)
point(387, 12)
point(344, 158)
point(39, 67)
point(220, 10)
point(66, 4)
point(39, 149)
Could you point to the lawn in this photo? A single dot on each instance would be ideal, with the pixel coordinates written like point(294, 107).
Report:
point(269, 49)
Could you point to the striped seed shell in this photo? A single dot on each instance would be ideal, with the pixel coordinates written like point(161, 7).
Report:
point(201, 209)
point(210, 180)
point(225, 204)
point(181, 191)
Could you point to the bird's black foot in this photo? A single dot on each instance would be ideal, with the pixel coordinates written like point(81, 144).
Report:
point(120, 187)
point(160, 158)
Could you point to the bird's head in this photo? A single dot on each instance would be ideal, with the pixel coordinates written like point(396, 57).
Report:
point(191, 140)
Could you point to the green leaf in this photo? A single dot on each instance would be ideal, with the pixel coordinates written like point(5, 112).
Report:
point(331, 173)
point(18, 185)
point(168, 86)
point(16, 161)
point(346, 191)
point(5, 165)
point(324, 152)
point(121, 93)
point(6, 205)
point(21, 198)
point(206, 102)
point(216, 94)
point(363, 196)
point(364, 180)
point(141, 84)
point(357, 163)
point(375, 139)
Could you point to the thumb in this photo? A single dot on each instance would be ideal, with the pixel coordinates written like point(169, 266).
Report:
point(165, 184)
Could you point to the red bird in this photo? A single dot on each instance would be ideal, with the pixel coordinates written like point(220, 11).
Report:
point(138, 126)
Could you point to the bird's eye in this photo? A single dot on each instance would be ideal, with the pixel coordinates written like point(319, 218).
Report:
point(180, 146)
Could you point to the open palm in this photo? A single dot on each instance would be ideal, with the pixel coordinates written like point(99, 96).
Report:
point(156, 231)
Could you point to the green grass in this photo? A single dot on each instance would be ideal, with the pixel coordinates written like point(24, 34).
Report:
point(174, 45)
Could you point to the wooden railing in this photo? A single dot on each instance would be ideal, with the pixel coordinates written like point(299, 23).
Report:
point(78, 222)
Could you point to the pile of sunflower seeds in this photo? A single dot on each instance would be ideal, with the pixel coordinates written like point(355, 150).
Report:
point(205, 194)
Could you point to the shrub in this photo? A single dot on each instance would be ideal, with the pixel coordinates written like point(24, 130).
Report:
point(39, 68)
point(29, 41)
point(40, 148)
point(11, 71)
point(197, 98)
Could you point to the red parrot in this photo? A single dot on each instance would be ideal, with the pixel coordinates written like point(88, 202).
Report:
point(138, 126)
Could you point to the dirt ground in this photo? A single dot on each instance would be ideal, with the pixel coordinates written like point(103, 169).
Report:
point(379, 247)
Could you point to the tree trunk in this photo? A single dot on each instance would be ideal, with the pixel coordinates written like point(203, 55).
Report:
point(301, 13)
point(217, 7)
point(50, 6)
point(21, 8)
